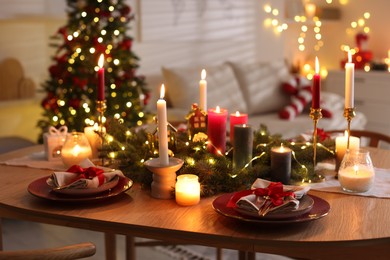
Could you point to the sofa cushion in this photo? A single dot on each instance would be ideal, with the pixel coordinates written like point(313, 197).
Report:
point(223, 90)
point(260, 83)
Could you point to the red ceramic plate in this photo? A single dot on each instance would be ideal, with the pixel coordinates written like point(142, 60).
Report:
point(41, 189)
point(305, 205)
point(319, 209)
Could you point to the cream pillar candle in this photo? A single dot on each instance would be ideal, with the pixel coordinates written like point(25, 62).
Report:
point(187, 190)
point(203, 91)
point(91, 132)
point(341, 147)
point(162, 129)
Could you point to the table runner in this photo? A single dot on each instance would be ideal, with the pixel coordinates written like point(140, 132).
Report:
point(381, 188)
point(36, 160)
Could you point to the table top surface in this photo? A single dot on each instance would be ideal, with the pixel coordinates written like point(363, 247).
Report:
point(352, 220)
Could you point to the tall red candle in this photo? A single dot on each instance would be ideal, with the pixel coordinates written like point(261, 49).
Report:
point(316, 87)
point(100, 91)
point(236, 119)
point(216, 130)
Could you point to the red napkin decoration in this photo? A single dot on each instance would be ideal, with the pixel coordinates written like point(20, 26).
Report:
point(87, 173)
point(274, 192)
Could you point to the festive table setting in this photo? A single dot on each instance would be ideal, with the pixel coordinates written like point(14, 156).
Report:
point(199, 169)
point(202, 158)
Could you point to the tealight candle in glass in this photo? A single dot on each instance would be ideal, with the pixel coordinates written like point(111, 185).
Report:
point(187, 190)
point(75, 149)
point(356, 173)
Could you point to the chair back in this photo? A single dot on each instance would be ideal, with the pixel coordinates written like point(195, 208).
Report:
point(75, 251)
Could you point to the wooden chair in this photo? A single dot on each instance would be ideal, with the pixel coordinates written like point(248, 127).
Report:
point(373, 138)
point(75, 251)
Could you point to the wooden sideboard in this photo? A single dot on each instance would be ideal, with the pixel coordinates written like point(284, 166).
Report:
point(372, 96)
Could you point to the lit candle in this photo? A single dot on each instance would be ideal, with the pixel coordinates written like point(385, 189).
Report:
point(216, 130)
point(341, 147)
point(162, 128)
point(187, 190)
point(310, 10)
point(349, 82)
point(281, 164)
point(100, 93)
point(91, 132)
point(242, 146)
point(357, 178)
point(203, 91)
point(236, 119)
point(76, 148)
point(316, 87)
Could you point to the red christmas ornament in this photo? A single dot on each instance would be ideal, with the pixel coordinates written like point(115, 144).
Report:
point(125, 10)
point(75, 103)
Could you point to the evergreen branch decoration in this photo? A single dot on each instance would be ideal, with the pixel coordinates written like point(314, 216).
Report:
point(128, 149)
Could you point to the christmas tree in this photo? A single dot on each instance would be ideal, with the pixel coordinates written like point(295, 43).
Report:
point(94, 27)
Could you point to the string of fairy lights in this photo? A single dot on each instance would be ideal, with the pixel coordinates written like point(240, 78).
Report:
point(310, 25)
point(211, 168)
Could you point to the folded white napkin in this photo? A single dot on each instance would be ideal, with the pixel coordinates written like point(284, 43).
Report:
point(70, 180)
point(299, 191)
point(263, 205)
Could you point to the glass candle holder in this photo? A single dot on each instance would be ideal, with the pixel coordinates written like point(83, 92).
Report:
point(75, 149)
point(356, 173)
point(187, 190)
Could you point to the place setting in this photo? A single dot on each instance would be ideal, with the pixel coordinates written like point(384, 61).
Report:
point(78, 179)
point(84, 182)
point(272, 203)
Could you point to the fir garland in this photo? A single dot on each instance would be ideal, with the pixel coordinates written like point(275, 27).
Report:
point(128, 149)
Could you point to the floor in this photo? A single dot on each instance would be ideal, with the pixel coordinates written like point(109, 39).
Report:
point(19, 235)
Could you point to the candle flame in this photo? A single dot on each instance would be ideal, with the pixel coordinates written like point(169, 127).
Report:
point(281, 147)
point(317, 66)
point(76, 150)
point(162, 91)
point(346, 133)
point(101, 61)
point(203, 74)
point(356, 169)
point(237, 113)
point(217, 109)
point(349, 56)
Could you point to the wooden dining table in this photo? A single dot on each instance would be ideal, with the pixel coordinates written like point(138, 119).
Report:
point(356, 227)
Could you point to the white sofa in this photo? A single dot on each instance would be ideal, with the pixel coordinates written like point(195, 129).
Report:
point(253, 88)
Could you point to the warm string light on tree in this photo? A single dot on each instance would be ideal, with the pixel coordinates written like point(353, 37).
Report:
point(94, 28)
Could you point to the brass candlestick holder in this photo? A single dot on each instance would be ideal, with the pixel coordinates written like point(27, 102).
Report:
point(101, 107)
point(315, 115)
point(349, 114)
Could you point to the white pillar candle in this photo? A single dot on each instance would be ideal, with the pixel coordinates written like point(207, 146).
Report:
point(203, 91)
point(341, 147)
point(357, 178)
point(162, 129)
point(349, 82)
point(187, 190)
